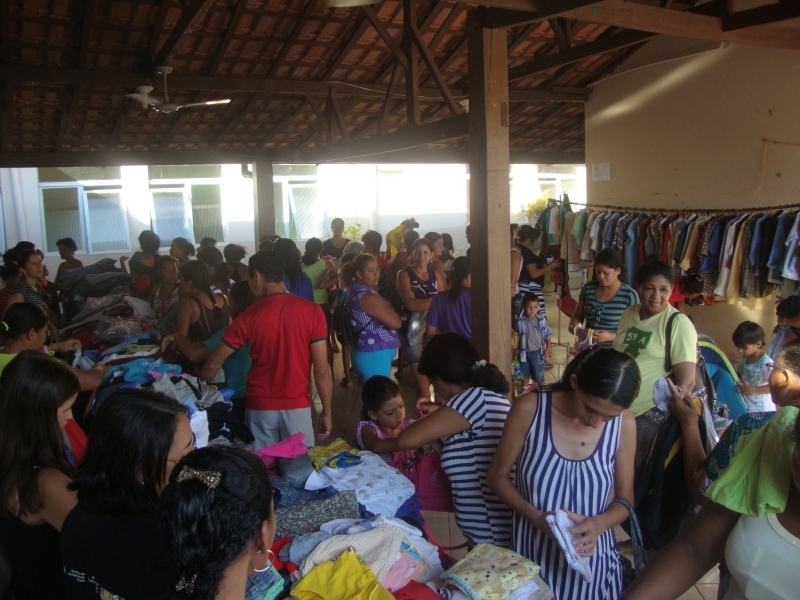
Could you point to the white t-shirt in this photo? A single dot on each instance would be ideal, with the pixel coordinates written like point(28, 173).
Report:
point(763, 558)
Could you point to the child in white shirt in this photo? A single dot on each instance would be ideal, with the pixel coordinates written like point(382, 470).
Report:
point(753, 368)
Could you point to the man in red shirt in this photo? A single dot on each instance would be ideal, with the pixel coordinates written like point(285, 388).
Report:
point(287, 337)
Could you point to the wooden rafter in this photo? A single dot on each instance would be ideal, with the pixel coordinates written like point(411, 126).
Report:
point(562, 32)
point(191, 15)
point(284, 123)
point(121, 124)
point(433, 69)
point(387, 38)
point(158, 29)
point(642, 17)
point(358, 31)
point(296, 31)
point(337, 116)
point(577, 53)
point(230, 32)
point(411, 50)
point(560, 132)
point(387, 102)
point(762, 15)
point(178, 125)
point(67, 117)
point(86, 32)
point(513, 14)
point(231, 125)
point(404, 139)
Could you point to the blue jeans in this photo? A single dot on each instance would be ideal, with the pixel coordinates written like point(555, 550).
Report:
point(534, 366)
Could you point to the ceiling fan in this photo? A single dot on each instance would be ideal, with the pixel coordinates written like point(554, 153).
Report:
point(166, 106)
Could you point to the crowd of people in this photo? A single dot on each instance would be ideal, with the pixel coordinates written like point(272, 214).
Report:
point(135, 509)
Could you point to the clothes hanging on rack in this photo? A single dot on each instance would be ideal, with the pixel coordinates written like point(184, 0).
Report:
point(738, 254)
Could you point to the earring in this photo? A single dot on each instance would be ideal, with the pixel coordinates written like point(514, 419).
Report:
point(268, 564)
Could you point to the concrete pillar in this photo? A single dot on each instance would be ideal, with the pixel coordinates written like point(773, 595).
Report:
point(263, 200)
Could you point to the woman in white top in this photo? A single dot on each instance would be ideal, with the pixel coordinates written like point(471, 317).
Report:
point(762, 552)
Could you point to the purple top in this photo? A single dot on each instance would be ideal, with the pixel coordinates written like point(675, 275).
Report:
point(371, 334)
point(452, 316)
point(381, 435)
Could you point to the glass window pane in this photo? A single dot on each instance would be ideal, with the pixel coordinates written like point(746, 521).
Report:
point(108, 230)
point(170, 217)
point(62, 216)
point(308, 212)
point(207, 212)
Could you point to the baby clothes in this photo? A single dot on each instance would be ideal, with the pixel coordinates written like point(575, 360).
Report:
point(381, 435)
point(756, 374)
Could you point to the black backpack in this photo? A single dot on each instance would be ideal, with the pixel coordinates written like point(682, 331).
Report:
point(343, 325)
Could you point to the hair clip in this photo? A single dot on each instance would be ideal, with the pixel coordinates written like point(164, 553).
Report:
point(478, 364)
point(211, 478)
point(186, 585)
point(5, 325)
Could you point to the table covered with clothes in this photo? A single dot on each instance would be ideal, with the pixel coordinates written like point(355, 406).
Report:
point(349, 527)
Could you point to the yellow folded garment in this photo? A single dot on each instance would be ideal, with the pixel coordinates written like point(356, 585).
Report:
point(759, 476)
point(346, 578)
point(320, 455)
point(491, 573)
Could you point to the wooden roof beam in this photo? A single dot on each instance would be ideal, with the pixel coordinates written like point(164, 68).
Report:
point(404, 139)
point(513, 13)
point(762, 15)
point(296, 31)
point(642, 17)
point(67, 117)
point(86, 32)
point(204, 157)
point(201, 83)
point(577, 53)
point(387, 38)
point(233, 24)
point(359, 30)
point(190, 17)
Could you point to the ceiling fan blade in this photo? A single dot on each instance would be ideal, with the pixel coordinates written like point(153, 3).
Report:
point(144, 98)
point(209, 103)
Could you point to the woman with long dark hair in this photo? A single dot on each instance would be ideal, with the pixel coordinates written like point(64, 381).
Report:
point(452, 310)
point(201, 312)
point(297, 282)
point(35, 468)
point(110, 541)
point(164, 296)
point(573, 446)
point(334, 245)
point(218, 269)
point(471, 421)
point(321, 273)
point(10, 274)
point(219, 522)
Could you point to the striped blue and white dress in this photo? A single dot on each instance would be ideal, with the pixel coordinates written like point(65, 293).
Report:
point(551, 482)
point(466, 457)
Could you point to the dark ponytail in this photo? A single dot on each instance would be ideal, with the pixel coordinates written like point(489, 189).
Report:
point(313, 250)
point(209, 523)
point(196, 271)
point(460, 270)
point(454, 359)
point(20, 318)
point(287, 250)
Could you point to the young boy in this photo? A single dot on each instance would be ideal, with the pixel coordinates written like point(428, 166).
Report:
point(753, 367)
point(536, 339)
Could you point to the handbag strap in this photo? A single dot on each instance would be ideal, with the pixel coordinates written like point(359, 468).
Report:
point(636, 535)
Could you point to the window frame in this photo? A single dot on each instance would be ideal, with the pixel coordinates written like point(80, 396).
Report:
point(174, 185)
point(83, 188)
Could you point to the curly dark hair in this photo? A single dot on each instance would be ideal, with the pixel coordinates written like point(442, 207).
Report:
point(206, 529)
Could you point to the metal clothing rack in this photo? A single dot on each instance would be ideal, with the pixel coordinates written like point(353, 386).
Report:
point(704, 211)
